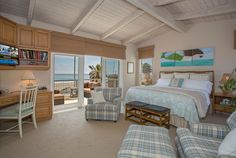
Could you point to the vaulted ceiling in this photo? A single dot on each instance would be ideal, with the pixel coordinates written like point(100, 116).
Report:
point(128, 21)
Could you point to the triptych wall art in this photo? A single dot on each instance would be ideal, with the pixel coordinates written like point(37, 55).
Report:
point(191, 57)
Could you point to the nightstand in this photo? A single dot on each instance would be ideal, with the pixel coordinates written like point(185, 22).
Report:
point(224, 102)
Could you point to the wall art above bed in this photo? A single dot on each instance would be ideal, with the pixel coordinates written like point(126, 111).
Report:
point(191, 57)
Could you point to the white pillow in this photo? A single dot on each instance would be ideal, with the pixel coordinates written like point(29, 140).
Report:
point(228, 145)
point(162, 82)
point(181, 75)
point(198, 85)
point(204, 77)
point(98, 97)
point(167, 75)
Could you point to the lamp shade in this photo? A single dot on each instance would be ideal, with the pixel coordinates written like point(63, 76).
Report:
point(233, 74)
point(224, 78)
point(28, 75)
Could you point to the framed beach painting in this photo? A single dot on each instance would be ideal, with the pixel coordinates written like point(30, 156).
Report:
point(191, 57)
point(130, 67)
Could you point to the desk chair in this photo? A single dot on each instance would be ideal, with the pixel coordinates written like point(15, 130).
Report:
point(26, 107)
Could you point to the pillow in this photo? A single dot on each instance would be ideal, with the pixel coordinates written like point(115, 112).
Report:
point(231, 120)
point(228, 145)
point(176, 82)
point(98, 97)
point(203, 77)
point(181, 75)
point(167, 76)
point(198, 85)
point(162, 82)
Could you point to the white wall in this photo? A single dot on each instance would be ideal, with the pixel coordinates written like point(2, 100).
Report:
point(219, 35)
point(131, 56)
point(11, 79)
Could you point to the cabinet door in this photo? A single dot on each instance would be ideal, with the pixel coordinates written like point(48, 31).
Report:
point(25, 37)
point(42, 39)
point(8, 32)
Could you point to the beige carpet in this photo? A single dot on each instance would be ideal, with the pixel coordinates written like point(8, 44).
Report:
point(68, 135)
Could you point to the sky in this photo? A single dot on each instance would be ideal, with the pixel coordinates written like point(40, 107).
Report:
point(65, 64)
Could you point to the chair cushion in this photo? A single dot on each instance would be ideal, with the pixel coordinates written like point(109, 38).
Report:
point(146, 141)
point(102, 107)
point(109, 93)
point(98, 97)
point(228, 146)
point(197, 146)
point(231, 121)
point(13, 111)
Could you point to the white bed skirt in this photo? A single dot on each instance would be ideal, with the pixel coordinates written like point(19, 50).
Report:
point(178, 121)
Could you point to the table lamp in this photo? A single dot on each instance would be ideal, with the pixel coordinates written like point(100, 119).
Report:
point(28, 76)
point(233, 74)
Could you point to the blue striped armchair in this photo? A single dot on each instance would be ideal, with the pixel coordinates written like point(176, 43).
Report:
point(110, 110)
point(204, 139)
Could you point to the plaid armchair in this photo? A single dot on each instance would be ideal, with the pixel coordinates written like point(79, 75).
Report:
point(110, 110)
point(203, 139)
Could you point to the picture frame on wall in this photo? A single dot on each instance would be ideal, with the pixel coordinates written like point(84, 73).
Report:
point(130, 67)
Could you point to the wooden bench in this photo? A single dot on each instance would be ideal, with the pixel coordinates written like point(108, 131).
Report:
point(144, 114)
point(59, 99)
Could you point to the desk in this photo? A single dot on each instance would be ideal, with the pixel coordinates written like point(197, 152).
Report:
point(43, 103)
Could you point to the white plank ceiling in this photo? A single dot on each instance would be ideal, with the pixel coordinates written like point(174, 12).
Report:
point(128, 21)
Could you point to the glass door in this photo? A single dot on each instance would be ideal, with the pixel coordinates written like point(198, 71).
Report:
point(66, 81)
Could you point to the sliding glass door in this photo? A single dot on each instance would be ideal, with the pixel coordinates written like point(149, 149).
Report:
point(66, 76)
point(112, 70)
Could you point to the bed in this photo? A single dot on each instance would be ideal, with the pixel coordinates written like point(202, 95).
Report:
point(188, 104)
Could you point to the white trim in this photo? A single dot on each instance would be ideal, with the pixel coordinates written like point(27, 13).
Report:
point(210, 12)
point(85, 15)
point(142, 34)
point(122, 24)
point(160, 13)
point(31, 11)
point(164, 2)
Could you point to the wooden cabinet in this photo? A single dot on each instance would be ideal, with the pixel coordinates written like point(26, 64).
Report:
point(224, 102)
point(8, 32)
point(42, 39)
point(44, 105)
point(25, 37)
point(32, 38)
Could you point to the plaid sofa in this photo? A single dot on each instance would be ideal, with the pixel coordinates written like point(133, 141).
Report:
point(146, 142)
point(203, 139)
point(105, 111)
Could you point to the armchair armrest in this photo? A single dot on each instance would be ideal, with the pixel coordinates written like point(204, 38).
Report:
point(210, 130)
point(117, 101)
point(90, 101)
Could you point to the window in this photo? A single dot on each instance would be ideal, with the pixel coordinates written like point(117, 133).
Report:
point(112, 72)
point(145, 74)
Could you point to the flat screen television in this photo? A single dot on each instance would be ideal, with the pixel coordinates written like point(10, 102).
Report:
point(8, 55)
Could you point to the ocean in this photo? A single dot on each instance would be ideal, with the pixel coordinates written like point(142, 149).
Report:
point(68, 77)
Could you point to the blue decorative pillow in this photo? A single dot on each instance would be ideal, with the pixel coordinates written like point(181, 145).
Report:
point(176, 82)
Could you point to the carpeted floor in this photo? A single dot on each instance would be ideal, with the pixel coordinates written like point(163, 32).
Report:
point(69, 135)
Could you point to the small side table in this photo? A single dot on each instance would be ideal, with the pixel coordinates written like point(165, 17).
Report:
point(224, 102)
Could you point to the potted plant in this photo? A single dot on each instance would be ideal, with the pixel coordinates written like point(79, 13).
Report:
point(95, 73)
point(229, 86)
point(147, 69)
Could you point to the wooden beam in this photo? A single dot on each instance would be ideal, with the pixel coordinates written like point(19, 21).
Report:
point(143, 34)
point(210, 12)
point(85, 15)
point(161, 13)
point(122, 24)
point(31, 11)
point(164, 2)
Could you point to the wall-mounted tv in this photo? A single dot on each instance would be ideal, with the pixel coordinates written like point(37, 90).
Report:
point(8, 55)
